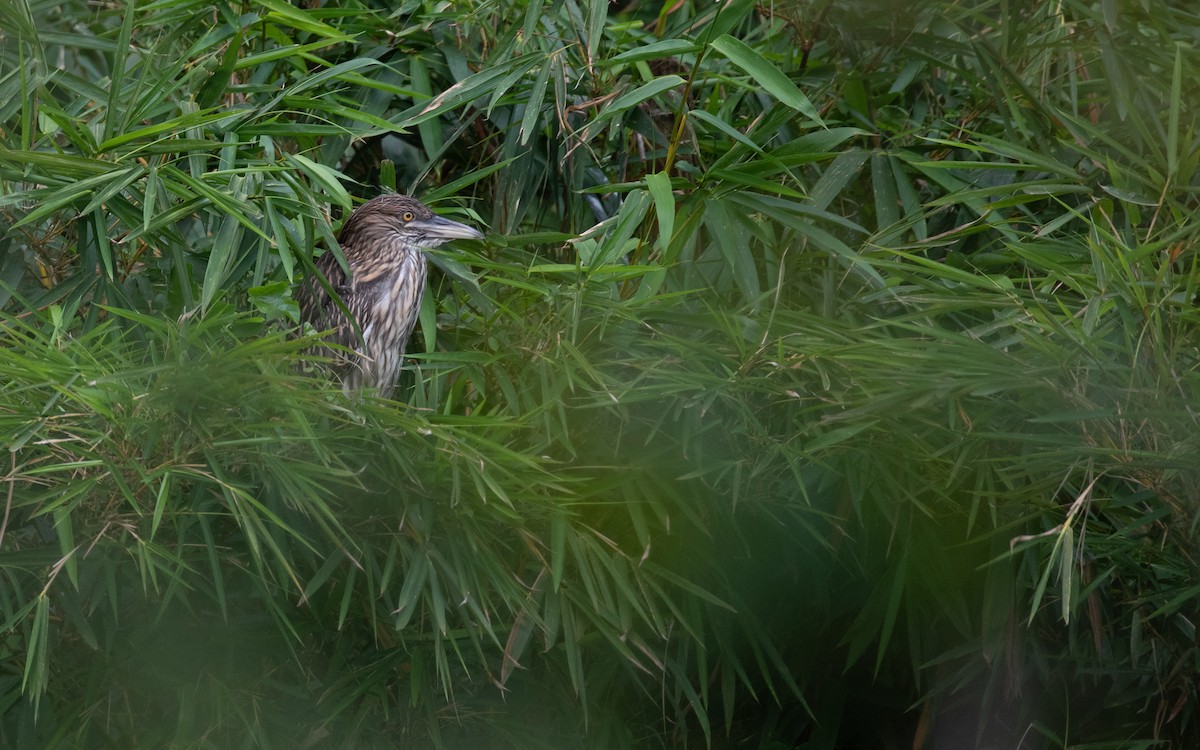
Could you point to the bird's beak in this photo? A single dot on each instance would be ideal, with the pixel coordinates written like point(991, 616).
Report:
point(445, 229)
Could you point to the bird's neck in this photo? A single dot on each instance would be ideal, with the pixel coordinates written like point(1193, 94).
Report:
point(376, 253)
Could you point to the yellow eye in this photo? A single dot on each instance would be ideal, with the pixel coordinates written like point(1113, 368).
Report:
point(408, 216)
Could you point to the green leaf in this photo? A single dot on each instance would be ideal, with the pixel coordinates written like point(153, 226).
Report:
point(630, 99)
point(653, 51)
point(659, 186)
point(483, 83)
point(275, 301)
point(766, 75)
point(328, 178)
point(533, 105)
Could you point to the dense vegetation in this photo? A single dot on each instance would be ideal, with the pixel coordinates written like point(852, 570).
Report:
point(829, 378)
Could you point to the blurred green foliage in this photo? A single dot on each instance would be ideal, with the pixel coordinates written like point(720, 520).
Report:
point(830, 377)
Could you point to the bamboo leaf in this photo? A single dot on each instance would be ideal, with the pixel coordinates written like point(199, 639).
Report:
point(766, 75)
point(630, 99)
point(659, 187)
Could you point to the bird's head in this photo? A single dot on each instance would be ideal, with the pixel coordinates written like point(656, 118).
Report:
point(393, 217)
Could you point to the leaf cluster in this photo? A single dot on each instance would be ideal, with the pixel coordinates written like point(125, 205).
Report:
point(829, 378)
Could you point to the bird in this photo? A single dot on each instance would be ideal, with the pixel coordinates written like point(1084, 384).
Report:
point(383, 241)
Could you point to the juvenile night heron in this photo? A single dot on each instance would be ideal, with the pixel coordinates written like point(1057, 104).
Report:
point(383, 242)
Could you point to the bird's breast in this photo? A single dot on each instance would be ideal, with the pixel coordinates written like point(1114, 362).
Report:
point(390, 301)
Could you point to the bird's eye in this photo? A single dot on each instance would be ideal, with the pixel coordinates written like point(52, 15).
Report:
point(408, 216)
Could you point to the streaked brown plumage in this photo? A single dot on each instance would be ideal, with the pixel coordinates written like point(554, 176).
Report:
point(383, 242)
